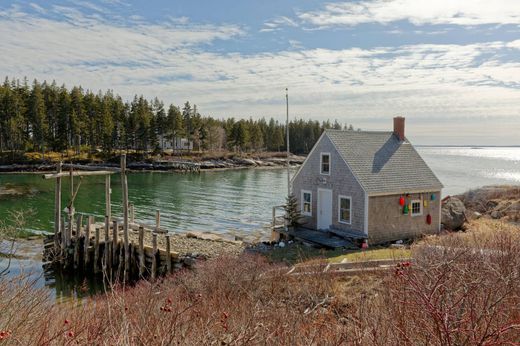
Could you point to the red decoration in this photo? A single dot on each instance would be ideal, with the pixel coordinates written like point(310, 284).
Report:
point(401, 201)
point(429, 219)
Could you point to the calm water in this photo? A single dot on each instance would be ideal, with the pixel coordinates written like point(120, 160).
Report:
point(236, 201)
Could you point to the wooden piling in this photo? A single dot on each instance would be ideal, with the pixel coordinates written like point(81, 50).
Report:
point(115, 240)
point(57, 207)
point(79, 223)
point(70, 209)
point(125, 214)
point(141, 251)
point(168, 255)
point(132, 213)
point(108, 205)
point(106, 253)
point(86, 244)
point(96, 251)
point(157, 220)
point(63, 235)
point(154, 256)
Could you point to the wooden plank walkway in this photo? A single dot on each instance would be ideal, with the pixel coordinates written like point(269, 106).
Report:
point(350, 235)
point(323, 239)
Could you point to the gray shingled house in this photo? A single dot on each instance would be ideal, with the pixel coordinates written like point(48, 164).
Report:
point(369, 183)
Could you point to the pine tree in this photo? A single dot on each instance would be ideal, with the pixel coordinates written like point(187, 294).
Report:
point(38, 119)
point(292, 211)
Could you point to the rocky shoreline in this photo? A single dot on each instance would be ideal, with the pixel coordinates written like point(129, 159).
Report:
point(167, 165)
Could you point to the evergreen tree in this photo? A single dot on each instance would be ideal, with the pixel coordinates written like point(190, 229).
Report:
point(292, 211)
point(38, 119)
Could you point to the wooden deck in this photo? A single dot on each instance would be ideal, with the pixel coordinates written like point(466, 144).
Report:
point(323, 239)
point(349, 235)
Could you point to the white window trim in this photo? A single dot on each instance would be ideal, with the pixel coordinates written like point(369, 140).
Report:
point(321, 163)
point(303, 201)
point(339, 209)
point(420, 207)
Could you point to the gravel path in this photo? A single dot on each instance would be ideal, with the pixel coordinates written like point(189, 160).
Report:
point(193, 247)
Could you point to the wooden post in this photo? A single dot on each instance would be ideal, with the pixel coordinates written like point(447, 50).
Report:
point(154, 255)
point(63, 234)
point(57, 207)
point(132, 213)
point(132, 254)
point(108, 191)
point(106, 254)
point(115, 240)
point(125, 213)
point(96, 251)
point(79, 223)
point(168, 254)
point(141, 251)
point(157, 220)
point(87, 240)
point(71, 208)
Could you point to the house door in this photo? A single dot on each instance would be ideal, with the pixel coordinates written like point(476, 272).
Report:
point(324, 208)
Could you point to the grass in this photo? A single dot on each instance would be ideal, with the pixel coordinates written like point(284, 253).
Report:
point(373, 254)
point(296, 253)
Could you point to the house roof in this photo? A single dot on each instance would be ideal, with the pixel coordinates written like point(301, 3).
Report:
point(382, 163)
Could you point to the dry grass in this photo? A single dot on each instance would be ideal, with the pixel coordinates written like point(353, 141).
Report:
point(453, 294)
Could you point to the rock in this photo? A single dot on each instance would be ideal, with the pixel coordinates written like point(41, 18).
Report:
point(397, 246)
point(190, 262)
point(477, 215)
point(453, 213)
point(495, 214)
point(281, 244)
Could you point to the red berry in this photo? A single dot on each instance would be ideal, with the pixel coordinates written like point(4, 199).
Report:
point(70, 333)
point(66, 321)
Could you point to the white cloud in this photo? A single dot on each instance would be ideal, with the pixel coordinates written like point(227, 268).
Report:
point(458, 12)
point(277, 23)
point(169, 60)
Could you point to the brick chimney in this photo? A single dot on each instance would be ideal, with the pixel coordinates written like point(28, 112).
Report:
point(399, 127)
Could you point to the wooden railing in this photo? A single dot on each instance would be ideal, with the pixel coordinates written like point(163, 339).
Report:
point(278, 221)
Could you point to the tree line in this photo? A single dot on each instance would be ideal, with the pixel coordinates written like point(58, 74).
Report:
point(46, 117)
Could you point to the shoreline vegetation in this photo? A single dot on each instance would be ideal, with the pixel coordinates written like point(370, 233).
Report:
point(139, 162)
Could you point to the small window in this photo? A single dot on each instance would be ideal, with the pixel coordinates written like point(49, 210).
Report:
point(307, 203)
point(325, 163)
point(344, 209)
point(416, 207)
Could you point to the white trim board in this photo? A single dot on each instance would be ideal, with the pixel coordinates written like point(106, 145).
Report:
point(323, 153)
point(339, 209)
point(303, 201)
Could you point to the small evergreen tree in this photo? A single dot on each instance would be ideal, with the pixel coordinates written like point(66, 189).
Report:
point(292, 212)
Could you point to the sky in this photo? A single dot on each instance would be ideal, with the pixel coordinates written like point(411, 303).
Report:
point(452, 68)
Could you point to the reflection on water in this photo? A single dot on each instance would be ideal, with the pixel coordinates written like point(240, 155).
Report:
point(63, 286)
point(464, 168)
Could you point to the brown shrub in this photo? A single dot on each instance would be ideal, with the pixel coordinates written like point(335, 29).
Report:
point(461, 289)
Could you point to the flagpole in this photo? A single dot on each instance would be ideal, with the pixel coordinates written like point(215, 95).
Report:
point(287, 140)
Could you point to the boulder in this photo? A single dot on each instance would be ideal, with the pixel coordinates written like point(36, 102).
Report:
point(453, 213)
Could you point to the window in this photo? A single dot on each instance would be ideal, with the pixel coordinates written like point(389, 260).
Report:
point(344, 209)
point(306, 203)
point(325, 163)
point(416, 207)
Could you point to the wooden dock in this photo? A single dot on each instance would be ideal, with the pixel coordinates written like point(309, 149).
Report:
point(116, 248)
